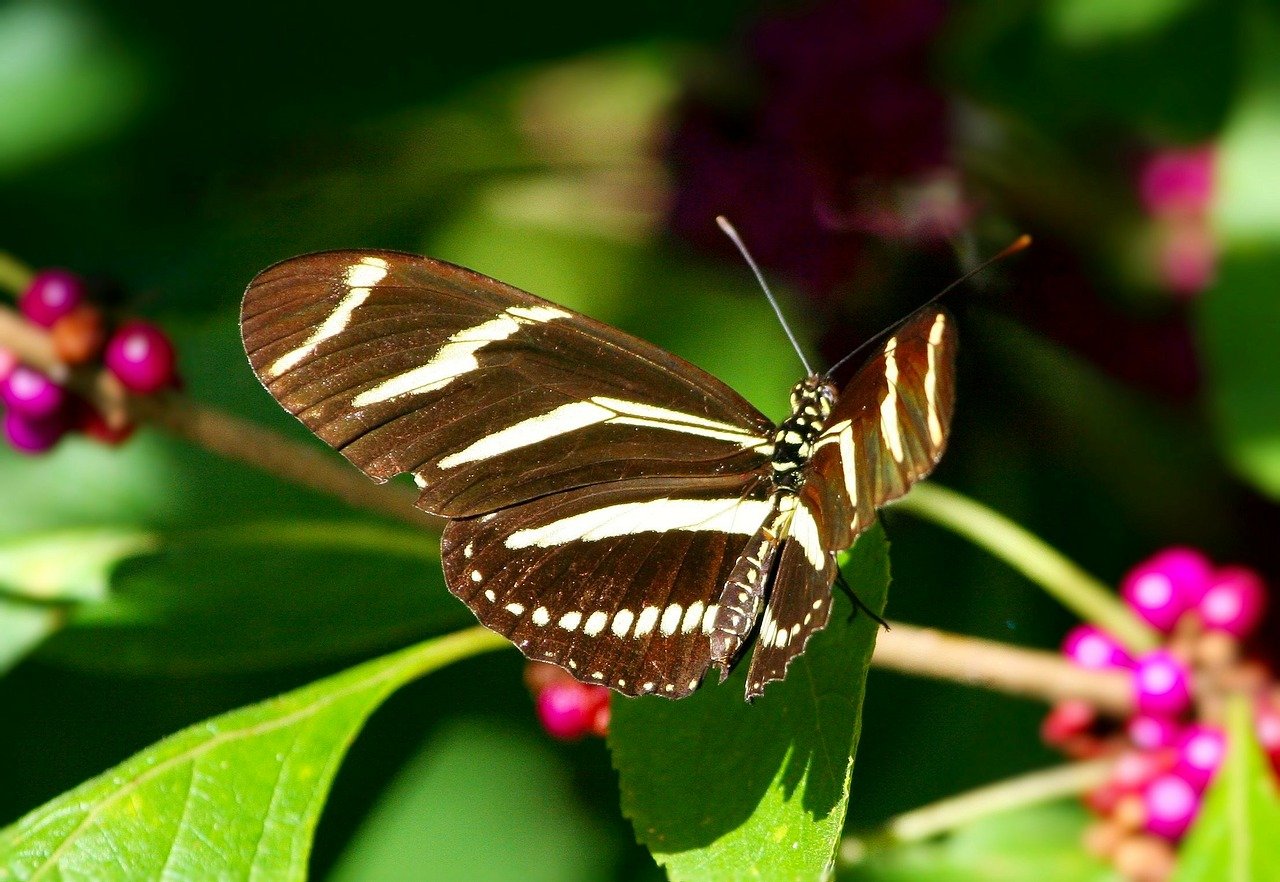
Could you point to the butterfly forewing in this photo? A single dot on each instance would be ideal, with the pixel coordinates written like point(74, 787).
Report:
point(889, 426)
point(488, 395)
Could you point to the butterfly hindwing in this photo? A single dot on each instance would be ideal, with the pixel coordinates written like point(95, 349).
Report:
point(488, 395)
point(617, 583)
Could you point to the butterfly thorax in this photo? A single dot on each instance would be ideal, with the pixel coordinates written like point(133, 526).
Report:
point(811, 402)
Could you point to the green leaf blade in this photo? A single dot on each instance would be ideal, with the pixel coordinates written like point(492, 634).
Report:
point(237, 796)
point(719, 789)
point(1234, 838)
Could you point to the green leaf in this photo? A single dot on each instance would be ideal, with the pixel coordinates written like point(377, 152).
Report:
point(264, 595)
point(1238, 316)
point(41, 573)
point(23, 627)
point(68, 565)
point(720, 789)
point(1040, 842)
point(449, 816)
point(1235, 836)
point(235, 797)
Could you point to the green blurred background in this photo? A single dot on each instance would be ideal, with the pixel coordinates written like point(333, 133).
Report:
point(1117, 391)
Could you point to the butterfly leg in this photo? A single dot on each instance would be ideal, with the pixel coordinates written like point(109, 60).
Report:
point(857, 601)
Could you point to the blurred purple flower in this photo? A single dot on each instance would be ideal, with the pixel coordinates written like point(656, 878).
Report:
point(848, 137)
point(1177, 180)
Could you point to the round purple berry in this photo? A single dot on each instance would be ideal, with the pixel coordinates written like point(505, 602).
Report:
point(28, 435)
point(1161, 685)
point(1091, 647)
point(52, 294)
point(1152, 733)
point(1234, 602)
point(1171, 804)
point(141, 357)
point(1163, 587)
point(567, 709)
point(30, 393)
point(1200, 752)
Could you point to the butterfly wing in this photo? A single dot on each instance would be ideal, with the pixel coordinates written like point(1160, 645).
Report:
point(600, 490)
point(887, 430)
point(490, 396)
point(614, 582)
point(889, 426)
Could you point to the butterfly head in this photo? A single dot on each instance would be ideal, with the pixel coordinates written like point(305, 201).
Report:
point(813, 398)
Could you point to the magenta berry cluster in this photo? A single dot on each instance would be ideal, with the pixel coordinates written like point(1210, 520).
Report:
point(567, 709)
point(38, 409)
point(1167, 753)
point(1176, 188)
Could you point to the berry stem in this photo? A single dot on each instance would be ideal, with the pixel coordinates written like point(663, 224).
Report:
point(1021, 791)
point(15, 275)
point(1034, 558)
point(992, 665)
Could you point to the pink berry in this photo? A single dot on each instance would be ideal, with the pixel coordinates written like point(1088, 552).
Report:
point(1177, 181)
point(1067, 720)
point(568, 709)
point(1234, 602)
point(30, 393)
point(1171, 804)
point(1091, 647)
point(141, 357)
point(52, 294)
point(1163, 587)
point(1152, 733)
point(1200, 752)
point(1135, 769)
point(1161, 685)
point(29, 435)
point(1266, 723)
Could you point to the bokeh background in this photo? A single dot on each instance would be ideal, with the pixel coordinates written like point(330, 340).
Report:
point(1118, 381)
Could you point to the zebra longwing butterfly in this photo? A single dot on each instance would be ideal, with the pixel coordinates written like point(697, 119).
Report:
point(611, 508)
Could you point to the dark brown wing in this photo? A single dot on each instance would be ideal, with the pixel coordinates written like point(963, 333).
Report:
point(488, 395)
point(800, 599)
point(889, 426)
point(617, 583)
point(887, 430)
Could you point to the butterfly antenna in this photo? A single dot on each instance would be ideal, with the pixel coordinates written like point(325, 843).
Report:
point(737, 240)
point(1012, 248)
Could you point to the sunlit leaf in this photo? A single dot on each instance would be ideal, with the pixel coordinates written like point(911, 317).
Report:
point(1239, 315)
point(68, 565)
point(1234, 838)
point(720, 789)
point(235, 797)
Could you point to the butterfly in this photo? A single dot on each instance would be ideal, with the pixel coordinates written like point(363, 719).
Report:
point(610, 508)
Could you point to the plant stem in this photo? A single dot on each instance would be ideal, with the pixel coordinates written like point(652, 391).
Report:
point(15, 276)
point(953, 812)
point(1034, 558)
point(1011, 669)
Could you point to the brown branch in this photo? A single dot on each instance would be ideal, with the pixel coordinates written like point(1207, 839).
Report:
point(223, 433)
point(1030, 672)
